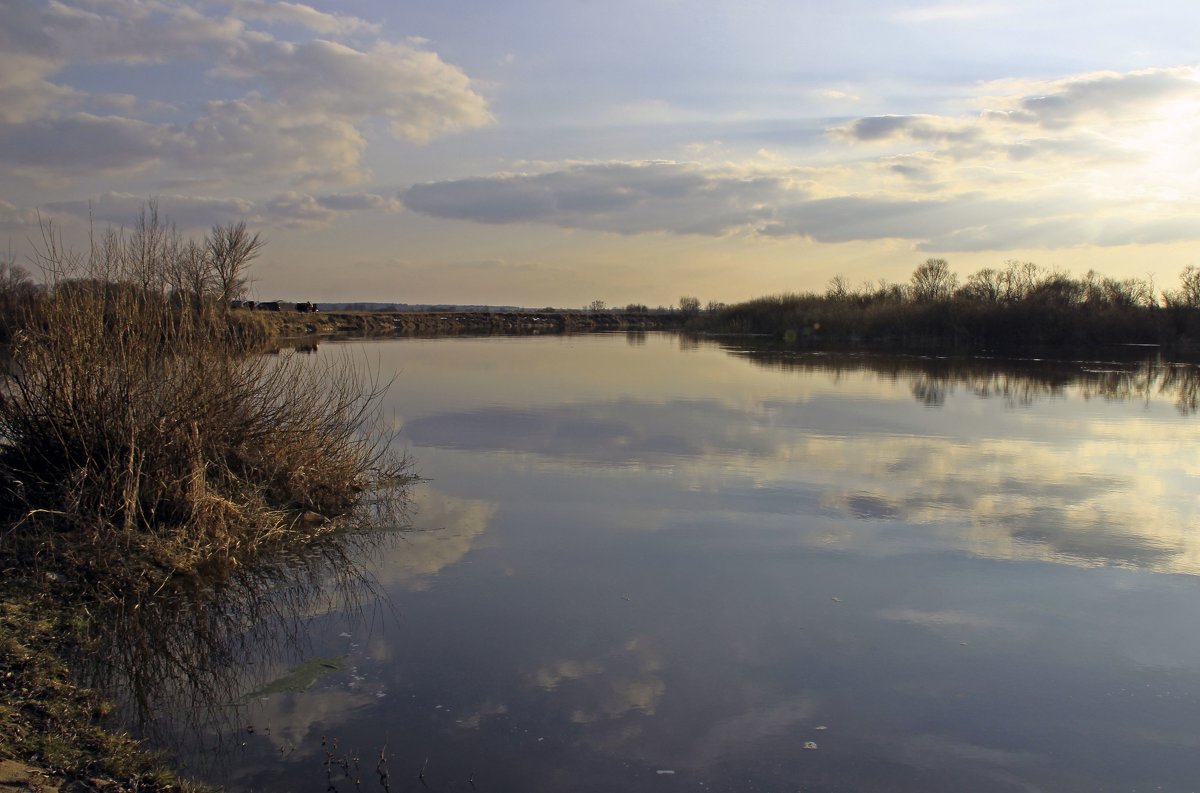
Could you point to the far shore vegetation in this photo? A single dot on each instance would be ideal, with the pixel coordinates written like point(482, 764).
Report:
point(1019, 306)
point(148, 450)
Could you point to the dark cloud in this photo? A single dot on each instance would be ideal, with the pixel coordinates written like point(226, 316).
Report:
point(198, 213)
point(187, 213)
point(83, 142)
point(682, 199)
point(879, 127)
point(626, 198)
point(918, 128)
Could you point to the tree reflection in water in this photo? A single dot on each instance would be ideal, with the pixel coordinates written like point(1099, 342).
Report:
point(1017, 381)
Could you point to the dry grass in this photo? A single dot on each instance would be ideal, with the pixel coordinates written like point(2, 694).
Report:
point(142, 443)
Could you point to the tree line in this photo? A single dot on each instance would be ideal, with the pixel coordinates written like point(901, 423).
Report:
point(1018, 304)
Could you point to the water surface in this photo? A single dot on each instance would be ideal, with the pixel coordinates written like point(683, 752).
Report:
point(648, 563)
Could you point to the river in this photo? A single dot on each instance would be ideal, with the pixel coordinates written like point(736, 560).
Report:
point(647, 563)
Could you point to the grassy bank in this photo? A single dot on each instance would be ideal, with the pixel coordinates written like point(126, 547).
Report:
point(146, 451)
point(51, 726)
point(1019, 307)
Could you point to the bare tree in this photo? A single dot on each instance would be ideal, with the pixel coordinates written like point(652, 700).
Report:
point(689, 306)
point(1189, 288)
point(194, 273)
point(933, 280)
point(153, 243)
point(986, 286)
point(838, 288)
point(230, 250)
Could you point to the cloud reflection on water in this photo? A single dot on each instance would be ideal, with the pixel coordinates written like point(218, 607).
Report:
point(444, 530)
point(1077, 484)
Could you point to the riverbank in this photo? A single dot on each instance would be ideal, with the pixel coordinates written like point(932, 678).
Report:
point(148, 452)
point(292, 324)
point(53, 736)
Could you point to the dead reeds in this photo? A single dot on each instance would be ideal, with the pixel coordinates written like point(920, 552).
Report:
point(143, 442)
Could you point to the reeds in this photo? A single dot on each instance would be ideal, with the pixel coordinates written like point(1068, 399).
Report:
point(143, 442)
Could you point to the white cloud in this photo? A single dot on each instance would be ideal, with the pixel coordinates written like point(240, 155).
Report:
point(258, 138)
point(303, 15)
point(301, 117)
point(420, 95)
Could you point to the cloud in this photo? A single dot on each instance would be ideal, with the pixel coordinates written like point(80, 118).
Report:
point(13, 218)
point(1094, 159)
point(677, 198)
point(919, 128)
point(191, 213)
point(262, 138)
point(299, 14)
point(83, 143)
point(25, 91)
point(419, 95)
point(359, 202)
point(303, 107)
point(627, 198)
point(1112, 95)
point(185, 212)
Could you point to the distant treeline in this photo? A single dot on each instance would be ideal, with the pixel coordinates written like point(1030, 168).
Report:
point(1020, 305)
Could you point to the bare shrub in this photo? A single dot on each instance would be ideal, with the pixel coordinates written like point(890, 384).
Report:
point(142, 441)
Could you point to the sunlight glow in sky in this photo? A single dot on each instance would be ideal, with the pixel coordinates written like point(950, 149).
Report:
point(539, 153)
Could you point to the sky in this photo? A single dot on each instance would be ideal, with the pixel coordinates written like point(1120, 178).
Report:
point(536, 153)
